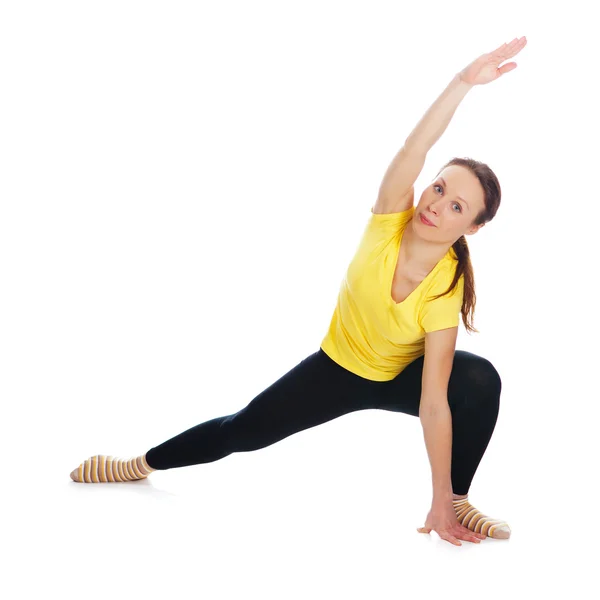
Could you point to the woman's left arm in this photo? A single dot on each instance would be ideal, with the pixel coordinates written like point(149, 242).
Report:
point(481, 71)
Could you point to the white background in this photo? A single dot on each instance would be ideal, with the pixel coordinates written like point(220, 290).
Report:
point(183, 185)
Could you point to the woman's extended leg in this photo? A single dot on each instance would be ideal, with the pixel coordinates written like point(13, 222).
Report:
point(316, 390)
point(313, 392)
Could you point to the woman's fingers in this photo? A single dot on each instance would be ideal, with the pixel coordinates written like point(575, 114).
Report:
point(514, 49)
point(453, 536)
point(468, 535)
point(450, 538)
point(458, 533)
point(507, 51)
point(499, 51)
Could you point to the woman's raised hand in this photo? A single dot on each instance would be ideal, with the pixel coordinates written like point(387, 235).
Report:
point(443, 520)
point(486, 68)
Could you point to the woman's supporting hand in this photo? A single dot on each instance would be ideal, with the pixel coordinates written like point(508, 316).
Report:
point(486, 68)
point(443, 520)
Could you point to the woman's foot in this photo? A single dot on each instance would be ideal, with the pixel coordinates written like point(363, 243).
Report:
point(105, 469)
point(476, 521)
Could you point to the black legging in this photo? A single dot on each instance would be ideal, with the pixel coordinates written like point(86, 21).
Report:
point(318, 390)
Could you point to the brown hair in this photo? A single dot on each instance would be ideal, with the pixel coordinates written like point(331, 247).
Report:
point(491, 188)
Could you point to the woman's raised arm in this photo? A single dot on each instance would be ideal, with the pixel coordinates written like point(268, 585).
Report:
point(398, 179)
point(406, 166)
point(482, 70)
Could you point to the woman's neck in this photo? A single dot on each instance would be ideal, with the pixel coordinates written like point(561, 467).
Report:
point(419, 256)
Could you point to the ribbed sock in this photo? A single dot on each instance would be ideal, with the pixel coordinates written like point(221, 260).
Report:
point(472, 519)
point(105, 469)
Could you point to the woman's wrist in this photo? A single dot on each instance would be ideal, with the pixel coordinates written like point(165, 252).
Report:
point(463, 83)
point(442, 496)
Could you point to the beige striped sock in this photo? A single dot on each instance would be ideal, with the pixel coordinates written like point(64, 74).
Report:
point(472, 519)
point(104, 469)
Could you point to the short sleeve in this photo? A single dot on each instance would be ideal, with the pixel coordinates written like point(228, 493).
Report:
point(443, 312)
point(390, 222)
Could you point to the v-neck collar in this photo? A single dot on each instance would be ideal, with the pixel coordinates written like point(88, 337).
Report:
point(395, 266)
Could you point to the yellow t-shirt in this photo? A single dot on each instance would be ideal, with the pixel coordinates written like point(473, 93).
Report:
point(369, 334)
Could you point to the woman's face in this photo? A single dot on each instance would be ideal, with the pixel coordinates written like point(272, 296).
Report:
point(451, 202)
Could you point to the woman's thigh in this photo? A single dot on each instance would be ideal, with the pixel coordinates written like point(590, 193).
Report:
point(403, 393)
point(313, 392)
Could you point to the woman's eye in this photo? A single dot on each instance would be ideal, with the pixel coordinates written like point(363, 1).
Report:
point(455, 204)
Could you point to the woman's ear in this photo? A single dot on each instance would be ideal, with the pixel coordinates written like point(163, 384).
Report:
point(474, 229)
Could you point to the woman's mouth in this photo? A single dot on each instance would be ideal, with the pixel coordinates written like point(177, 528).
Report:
point(424, 220)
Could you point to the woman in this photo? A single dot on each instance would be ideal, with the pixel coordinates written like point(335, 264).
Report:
point(391, 341)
